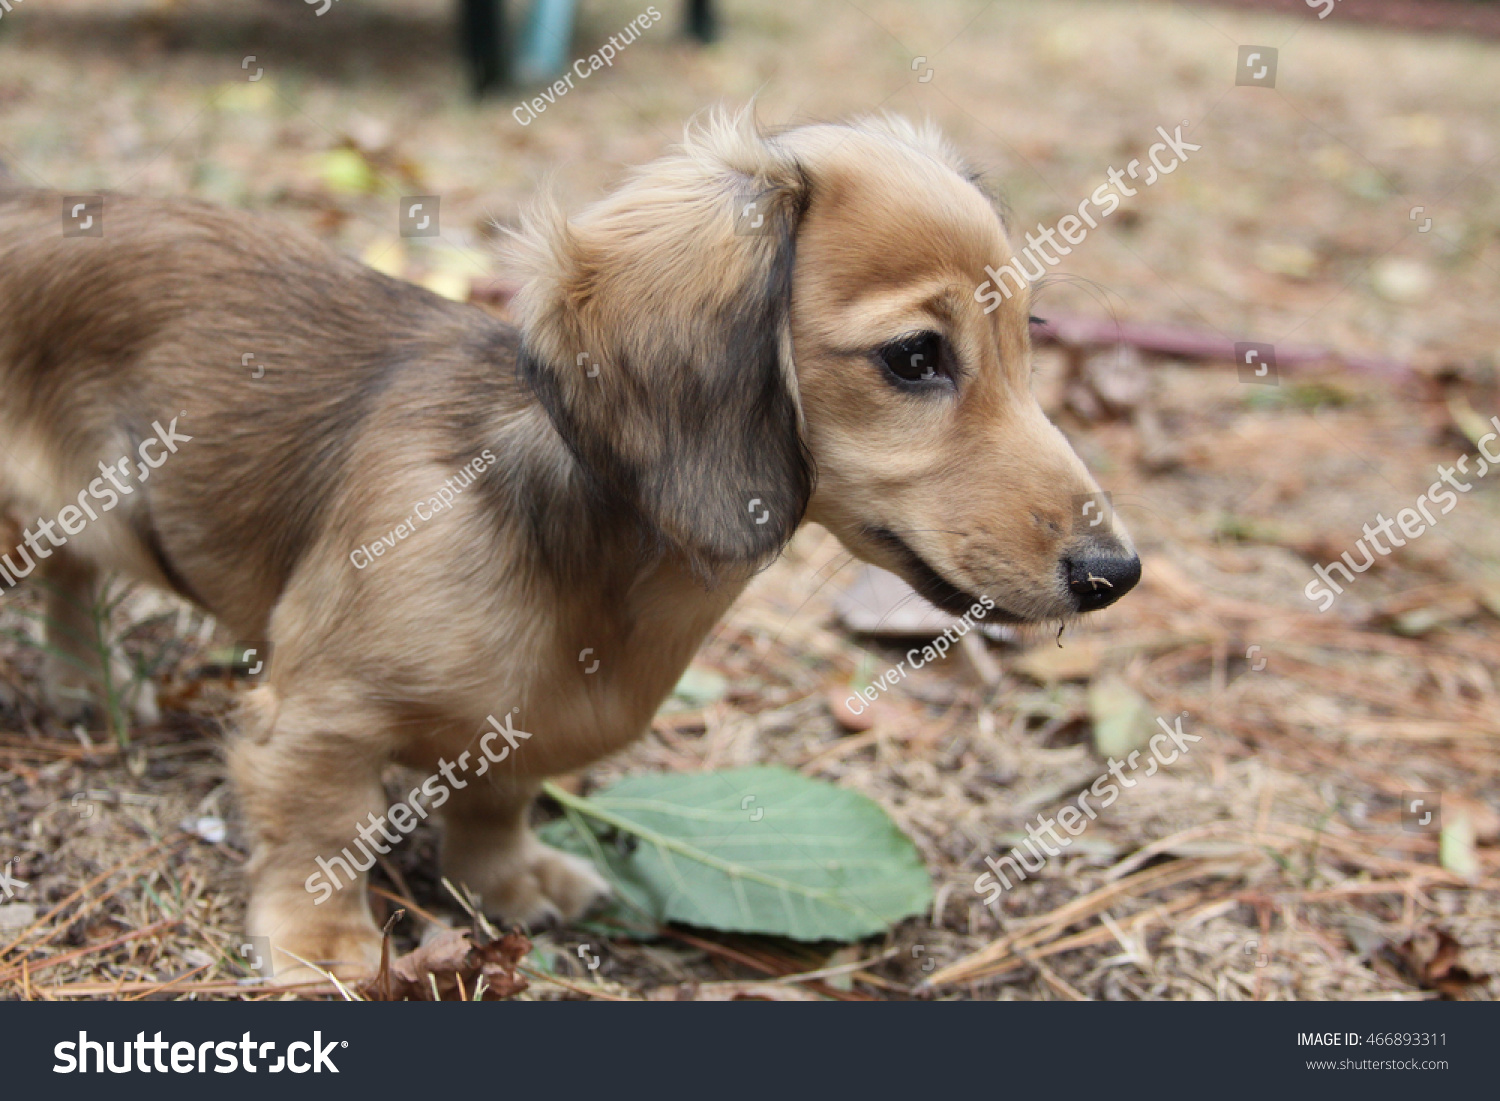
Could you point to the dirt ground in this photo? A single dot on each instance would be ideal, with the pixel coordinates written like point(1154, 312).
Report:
point(1273, 860)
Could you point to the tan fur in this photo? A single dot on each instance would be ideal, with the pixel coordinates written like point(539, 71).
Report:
point(668, 373)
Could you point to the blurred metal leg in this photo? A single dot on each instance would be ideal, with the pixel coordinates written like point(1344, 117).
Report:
point(485, 41)
point(702, 20)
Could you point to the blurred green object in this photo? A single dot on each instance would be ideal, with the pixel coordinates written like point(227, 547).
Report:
point(700, 687)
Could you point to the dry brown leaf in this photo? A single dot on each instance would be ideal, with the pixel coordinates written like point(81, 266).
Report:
point(455, 965)
point(1076, 661)
point(838, 704)
point(1430, 959)
point(1483, 817)
point(1118, 378)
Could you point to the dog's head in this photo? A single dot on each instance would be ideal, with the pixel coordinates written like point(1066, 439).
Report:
point(757, 329)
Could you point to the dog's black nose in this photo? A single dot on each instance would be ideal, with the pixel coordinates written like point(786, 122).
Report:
point(1097, 579)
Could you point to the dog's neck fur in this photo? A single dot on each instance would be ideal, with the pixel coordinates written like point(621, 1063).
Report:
point(641, 607)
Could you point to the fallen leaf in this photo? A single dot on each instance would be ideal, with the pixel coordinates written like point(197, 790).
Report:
point(700, 687)
point(1046, 664)
point(1469, 420)
point(838, 703)
point(747, 850)
point(1118, 378)
point(1121, 717)
point(1160, 450)
point(1430, 959)
point(449, 957)
point(882, 605)
point(1484, 818)
point(1456, 845)
point(346, 171)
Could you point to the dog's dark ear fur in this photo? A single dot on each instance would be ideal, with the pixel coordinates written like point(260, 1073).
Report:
point(657, 336)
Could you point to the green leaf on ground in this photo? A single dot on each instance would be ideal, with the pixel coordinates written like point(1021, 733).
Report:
point(700, 687)
point(1122, 717)
point(751, 850)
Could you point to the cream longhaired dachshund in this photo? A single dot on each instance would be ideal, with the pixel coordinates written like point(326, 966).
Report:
point(753, 331)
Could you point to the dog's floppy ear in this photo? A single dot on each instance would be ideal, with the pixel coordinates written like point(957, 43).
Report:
point(657, 335)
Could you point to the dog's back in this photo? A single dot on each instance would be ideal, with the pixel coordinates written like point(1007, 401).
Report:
point(241, 331)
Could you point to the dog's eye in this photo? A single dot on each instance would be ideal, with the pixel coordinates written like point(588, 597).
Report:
point(916, 359)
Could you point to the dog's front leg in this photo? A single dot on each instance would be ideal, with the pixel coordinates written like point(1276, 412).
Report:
point(86, 664)
point(489, 847)
point(307, 768)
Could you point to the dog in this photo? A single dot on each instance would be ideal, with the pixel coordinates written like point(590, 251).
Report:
point(757, 330)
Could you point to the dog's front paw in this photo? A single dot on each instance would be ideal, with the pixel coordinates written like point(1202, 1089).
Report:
point(350, 956)
point(72, 696)
point(566, 885)
point(541, 886)
point(303, 945)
